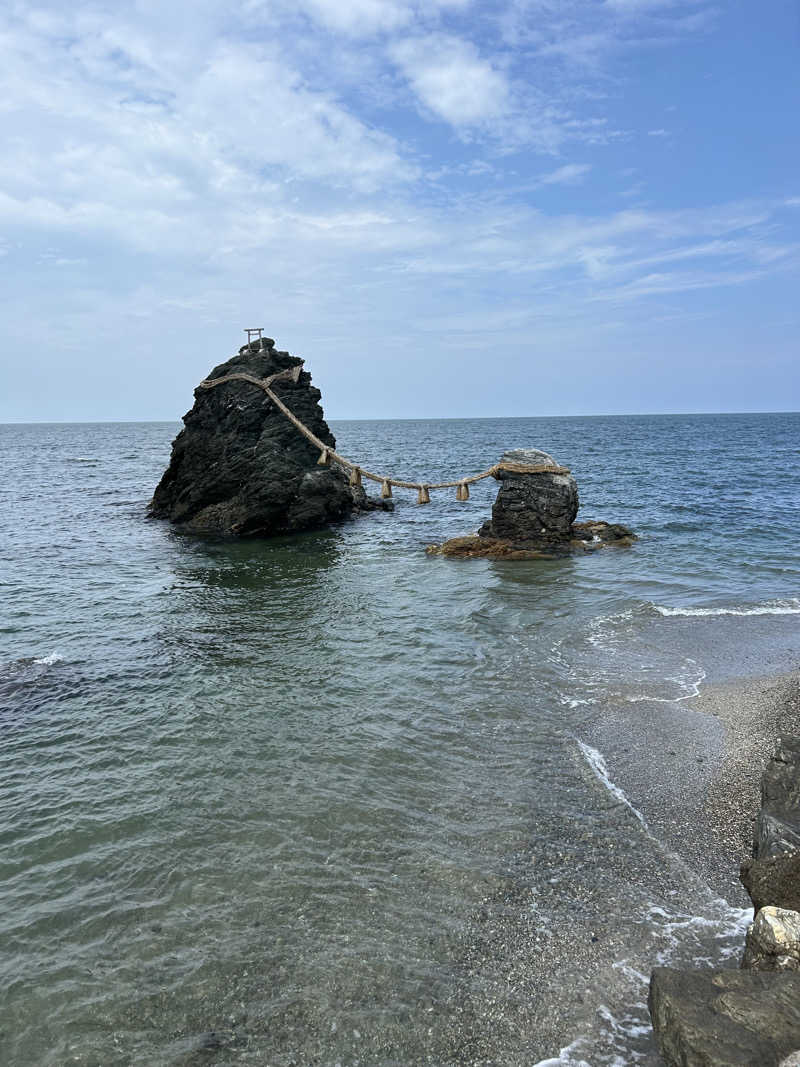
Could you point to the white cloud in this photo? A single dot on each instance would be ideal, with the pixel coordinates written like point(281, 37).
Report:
point(363, 18)
point(270, 159)
point(453, 81)
point(570, 174)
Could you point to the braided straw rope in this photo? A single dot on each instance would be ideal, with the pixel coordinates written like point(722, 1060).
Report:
point(327, 454)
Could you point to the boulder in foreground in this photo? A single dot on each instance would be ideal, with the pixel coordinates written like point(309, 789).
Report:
point(711, 1018)
point(773, 941)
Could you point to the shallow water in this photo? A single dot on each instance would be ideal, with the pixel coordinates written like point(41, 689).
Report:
point(330, 800)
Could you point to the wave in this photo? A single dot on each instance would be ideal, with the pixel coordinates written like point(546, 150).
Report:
point(790, 606)
point(48, 661)
point(567, 1057)
point(598, 764)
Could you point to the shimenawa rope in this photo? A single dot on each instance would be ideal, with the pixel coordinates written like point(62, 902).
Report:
point(328, 455)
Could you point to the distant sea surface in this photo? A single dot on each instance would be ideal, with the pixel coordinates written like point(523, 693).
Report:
point(328, 800)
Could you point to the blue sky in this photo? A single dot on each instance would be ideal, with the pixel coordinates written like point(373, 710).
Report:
point(449, 208)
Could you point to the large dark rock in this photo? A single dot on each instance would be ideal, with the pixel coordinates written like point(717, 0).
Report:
point(532, 507)
point(708, 1018)
point(240, 468)
point(772, 876)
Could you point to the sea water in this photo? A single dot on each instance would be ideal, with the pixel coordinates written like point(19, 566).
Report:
point(329, 800)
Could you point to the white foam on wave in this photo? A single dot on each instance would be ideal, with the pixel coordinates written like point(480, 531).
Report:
point(790, 606)
point(690, 681)
point(727, 925)
point(48, 661)
point(576, 702)
point(567, 1057)
point(604, 628)
point(598, 764)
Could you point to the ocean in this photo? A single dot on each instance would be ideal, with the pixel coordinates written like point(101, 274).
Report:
point(330, 800)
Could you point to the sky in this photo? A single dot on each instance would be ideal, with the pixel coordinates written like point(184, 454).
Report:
point(448, 208)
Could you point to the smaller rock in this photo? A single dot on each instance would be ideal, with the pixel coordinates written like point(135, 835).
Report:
point(778, 823)
point(596, 534)
point(773, 941)
point(534, 508)
point(774, 880)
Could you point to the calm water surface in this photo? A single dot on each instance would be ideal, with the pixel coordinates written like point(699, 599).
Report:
point(327, 800)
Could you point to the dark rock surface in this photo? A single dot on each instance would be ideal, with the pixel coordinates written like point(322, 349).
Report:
point(477, 546)
point(240, 468)
point(532, 507)
point(772, 876)
point(709, 1018)
point(778, 823)
point(774, 880)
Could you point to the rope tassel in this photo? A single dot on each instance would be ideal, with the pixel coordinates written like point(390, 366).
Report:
point(386, 489)
point(355, 476)
point(423, 496)
point(462, 493)
point(324, 458)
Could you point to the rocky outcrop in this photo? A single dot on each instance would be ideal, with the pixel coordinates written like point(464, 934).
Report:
point(708, 1018)
point(240, 468)
point(533, 516)
point(538, 507)
point(772, 876)
point(773, 941)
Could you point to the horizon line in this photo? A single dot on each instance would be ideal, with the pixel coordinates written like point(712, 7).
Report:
point(409, 418)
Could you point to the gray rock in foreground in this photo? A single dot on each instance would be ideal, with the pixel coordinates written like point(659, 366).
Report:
point(773, 941)
point(240, 468)
point(711, 1018)
point(772, 876)
point(778, 823)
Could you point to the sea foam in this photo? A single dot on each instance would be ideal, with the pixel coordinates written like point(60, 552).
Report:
point(774, 607)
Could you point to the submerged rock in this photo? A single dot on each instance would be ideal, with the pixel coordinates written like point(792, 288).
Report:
point(533, 516)
point(708, 1018)
point(240, 468)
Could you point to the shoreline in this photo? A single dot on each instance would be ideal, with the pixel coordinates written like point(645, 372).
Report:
point(692, 769)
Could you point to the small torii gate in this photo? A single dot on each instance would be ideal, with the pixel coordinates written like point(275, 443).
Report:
point(254, 331)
